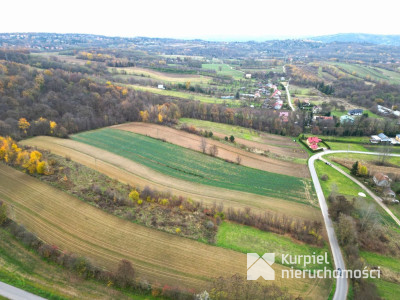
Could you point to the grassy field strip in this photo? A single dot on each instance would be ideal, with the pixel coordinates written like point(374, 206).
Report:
point(181, 78)
point(63, 220)
point(243, 133)
point(191, 141)
point(192, 166)
point(135, 174)
point(178, 94)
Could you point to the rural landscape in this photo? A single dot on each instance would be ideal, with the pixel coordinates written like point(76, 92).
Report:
point(150, 167)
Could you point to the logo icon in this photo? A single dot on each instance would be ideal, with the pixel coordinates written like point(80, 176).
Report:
point(260, 266)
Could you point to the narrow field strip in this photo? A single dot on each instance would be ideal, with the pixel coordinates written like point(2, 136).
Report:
point(130, 172)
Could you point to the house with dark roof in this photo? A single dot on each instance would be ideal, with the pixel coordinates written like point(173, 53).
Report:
point(355, 112)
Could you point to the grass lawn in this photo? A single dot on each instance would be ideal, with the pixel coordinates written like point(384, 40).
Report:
point(346, 146)
point(224, 69)
point(344, 185)
point(248, 239)
point(387, 290)
point(193, 166)
point(379, 260)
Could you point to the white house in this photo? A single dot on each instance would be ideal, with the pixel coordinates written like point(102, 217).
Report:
point(161, 87)
point(248, 76)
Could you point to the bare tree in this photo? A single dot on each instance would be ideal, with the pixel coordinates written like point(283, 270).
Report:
point(203, 145)
point(385, 153)
point(213, 150)
point(238, 160)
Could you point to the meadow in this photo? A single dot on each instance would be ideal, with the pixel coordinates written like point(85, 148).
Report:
point(224, 69)
point(192, 166)
point(247, 239)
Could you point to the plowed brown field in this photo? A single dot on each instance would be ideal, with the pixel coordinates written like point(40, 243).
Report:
point(192, 141)
point(75, 226)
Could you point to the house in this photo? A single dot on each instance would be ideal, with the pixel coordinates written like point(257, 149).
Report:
point(313, 141)
point(355, 112)
point(375, 139)
point(161, 87)
point(388, 193)
point(384, 138)
point(316, 109)
point(398, 137)
point(346, 119)
point(278, 104)
point(381, 179)
point(248, 76)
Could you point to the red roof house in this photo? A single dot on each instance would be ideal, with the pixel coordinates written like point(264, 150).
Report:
point(313, 141)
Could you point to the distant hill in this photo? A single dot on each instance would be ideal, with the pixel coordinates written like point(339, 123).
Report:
point(377, 39)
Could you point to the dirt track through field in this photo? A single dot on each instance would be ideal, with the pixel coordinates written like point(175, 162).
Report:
point(193, 142)
point(135, 174)
point(77, 227)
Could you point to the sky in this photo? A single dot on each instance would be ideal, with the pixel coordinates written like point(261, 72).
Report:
point(205, 19)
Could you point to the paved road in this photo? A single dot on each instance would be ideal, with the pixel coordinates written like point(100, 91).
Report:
point(341, 283)
point(14, 293)
point(287, 91)
point(288, 96)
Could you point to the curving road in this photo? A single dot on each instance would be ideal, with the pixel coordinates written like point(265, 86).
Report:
point(341, 283)
point(14, 293)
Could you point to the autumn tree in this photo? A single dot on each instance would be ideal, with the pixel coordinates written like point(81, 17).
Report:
point(144, 116)
point(23, 124)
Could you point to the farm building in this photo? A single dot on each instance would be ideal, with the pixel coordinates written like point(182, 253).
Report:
point(355, 112)
point(375, 139)
point(387, 192)
point(384, 138)
point(382, 180)
point(312, 142)
point(161, 87)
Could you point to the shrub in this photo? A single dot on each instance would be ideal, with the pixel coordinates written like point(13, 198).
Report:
point(324, 177)
point(3, 213)
point(125, 275)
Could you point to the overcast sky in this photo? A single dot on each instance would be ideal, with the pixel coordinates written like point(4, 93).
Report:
point(206, 19)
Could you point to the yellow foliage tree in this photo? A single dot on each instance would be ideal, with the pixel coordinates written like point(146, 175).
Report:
point(134, 195)
point(160, 118)
point(144, 115)
point(53, 126)
point(23, 124)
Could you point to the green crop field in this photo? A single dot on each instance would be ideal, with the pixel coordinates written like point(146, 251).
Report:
point(248, 239)
point(194, 166)
point(369, 73)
